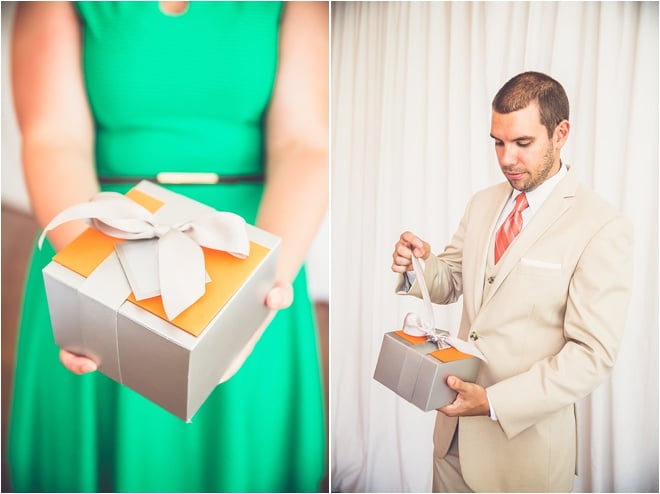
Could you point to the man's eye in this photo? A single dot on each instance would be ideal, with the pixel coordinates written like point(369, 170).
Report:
point(499, 143)
point(523, 144)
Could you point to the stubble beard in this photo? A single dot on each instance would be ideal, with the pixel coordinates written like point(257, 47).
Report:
point(547, 163)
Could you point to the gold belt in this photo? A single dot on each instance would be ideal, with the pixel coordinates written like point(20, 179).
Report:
point(188, 178)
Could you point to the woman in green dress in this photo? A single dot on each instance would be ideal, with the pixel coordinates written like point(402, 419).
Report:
point(107, 93)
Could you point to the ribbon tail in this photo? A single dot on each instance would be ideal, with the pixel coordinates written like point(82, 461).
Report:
point(81, 211)
point(426, 298)
point(465, 347)
point(181, 272)
point(105, 208)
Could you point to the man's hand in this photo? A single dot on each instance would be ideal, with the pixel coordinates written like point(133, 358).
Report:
point(470, 401)
point(407, 246)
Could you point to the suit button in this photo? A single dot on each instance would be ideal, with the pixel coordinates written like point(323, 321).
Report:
point(490, 280)
point(474, 336)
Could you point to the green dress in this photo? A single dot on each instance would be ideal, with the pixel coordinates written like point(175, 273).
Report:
point(174, 93)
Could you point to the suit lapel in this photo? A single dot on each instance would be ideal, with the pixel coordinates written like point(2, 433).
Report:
point(485, 232)
point(554, 207)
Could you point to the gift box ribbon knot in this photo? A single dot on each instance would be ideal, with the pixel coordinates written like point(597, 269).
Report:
point(177, 246)
point(418, 326)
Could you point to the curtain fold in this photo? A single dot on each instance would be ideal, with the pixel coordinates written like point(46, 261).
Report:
point(411, 90)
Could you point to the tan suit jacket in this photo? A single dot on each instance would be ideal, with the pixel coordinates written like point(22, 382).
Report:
point(549, 322)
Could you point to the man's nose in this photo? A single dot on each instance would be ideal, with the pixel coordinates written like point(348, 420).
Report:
point(509, 155)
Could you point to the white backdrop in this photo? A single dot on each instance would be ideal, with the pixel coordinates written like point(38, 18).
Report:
point(411, 90)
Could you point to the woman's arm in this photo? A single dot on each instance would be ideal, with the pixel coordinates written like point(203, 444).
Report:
point(52, 112)
point(55, 121)
point(296, 193)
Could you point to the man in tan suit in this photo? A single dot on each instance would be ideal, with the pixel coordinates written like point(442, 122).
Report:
point(544, 266)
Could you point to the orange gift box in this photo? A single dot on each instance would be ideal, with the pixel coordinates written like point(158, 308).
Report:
point(417, 370)
point(175, 363)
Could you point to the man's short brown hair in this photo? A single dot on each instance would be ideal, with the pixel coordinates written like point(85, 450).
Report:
point(524, 88)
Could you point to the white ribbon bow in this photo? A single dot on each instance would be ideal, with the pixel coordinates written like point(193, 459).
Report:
point(181, 271)
point(415, 325)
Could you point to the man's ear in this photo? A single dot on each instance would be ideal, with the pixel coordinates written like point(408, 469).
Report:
point(560, 134)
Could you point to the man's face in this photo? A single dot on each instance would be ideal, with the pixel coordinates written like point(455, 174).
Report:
point(526, 155)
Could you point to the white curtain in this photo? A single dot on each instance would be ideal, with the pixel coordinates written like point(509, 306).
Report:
point(411, 90)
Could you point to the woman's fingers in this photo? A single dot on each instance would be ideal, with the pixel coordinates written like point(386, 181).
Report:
point(280, 296)
point(77, 363)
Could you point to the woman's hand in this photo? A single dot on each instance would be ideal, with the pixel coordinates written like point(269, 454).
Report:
point(77, 363)
point(279, 297)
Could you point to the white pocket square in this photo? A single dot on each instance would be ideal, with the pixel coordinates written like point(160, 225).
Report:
point(539, 264)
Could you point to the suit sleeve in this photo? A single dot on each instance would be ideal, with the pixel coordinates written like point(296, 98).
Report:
point(443, 273)
point(598, 297)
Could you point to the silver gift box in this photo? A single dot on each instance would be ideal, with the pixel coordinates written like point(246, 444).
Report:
point(409, 371)
point(167, 365)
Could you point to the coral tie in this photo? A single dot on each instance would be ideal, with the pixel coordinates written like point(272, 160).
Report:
point(511, 227)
